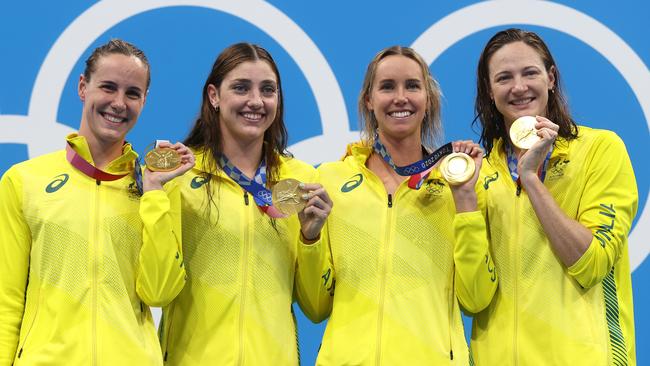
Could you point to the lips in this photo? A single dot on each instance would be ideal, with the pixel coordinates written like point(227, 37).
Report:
point(112, 118)
point(252, 116)
point(400, 114)
point(521, 101)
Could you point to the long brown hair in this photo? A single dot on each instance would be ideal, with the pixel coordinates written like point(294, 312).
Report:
point(206, 134)
point(492, 123)
point(431, 126)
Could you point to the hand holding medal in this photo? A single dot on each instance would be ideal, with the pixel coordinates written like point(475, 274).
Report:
point(309, 200)
point(165, 162)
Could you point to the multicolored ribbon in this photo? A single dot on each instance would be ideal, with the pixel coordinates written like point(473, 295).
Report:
point(256, 186)
point(513, 161)
point(418, 171)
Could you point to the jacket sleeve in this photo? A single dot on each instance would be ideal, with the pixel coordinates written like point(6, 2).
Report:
point(15, 244)
point(475, 276)
point(161, 272)
point(314, 283)
point(607, 207)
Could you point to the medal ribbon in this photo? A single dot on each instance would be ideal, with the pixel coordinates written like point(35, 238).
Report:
point(418, 171)
point(256, 187)
point(90, 170)
point(513, 161)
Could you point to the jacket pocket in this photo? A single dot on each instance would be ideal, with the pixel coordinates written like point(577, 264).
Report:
point(32, 322)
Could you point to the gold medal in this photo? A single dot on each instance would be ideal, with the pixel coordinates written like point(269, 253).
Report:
point(523, 133)
point(287, 196)
point(162, 159)
point(457, 168)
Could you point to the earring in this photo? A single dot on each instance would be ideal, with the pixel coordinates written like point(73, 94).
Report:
point(216, 107)
point(552, 90)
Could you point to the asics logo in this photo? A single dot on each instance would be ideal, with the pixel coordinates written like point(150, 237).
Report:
point(353, 183)
point(58, 182)
point(198, 181)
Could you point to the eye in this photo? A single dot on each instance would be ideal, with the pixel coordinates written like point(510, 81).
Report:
point(502, 78)
point(108, 87)
point(413, 85)
point(268, 90)
point(531, 72)
point(386, 85)
point(133, 94)
point(240, 88)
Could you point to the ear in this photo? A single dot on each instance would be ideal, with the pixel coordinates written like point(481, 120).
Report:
point(551, 77)
point(368, 103)
point(81, 88)
point(213, 95)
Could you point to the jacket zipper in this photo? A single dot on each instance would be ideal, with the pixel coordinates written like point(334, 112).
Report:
point(248, 226)
point(452, 300)
point(169, 332)
point(95, 258)
point(516, 271)
point(382, 280)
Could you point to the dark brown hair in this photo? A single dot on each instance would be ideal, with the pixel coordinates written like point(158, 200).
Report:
point(116, 46)
point(492, 123)
point(206, 134)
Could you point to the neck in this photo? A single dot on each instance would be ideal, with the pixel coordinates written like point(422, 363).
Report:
point(403, 150)
point(246, 156)
point(102, 152)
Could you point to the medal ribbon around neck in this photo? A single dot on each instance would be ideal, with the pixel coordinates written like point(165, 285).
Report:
point(256, 187)
point(418, 171)
point(91, 171)
point(513, 161)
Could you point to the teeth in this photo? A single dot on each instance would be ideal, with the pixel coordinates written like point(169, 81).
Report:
point(522, 101)
point(400, 114)
point(253, 116)
point(113, 119)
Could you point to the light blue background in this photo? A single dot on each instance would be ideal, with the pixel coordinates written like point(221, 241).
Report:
point(182, 42)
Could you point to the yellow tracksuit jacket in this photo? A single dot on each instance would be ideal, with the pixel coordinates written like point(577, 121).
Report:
point(236, 306)
point(393, 268)
point(544, 313)
point(77, 274)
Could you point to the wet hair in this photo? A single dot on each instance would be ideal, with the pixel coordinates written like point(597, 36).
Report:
point(206, 134)
point(491, 120)
point(115, 46)
point(431, 126)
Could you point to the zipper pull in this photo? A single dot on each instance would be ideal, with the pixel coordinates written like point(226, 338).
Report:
point(390, 200)
point(98, 182)
point(246, 198)
point(451, 354)
point(518, 187)
point(20, 352)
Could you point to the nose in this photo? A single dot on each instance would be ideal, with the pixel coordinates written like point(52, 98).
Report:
point(400, 96)
point(255, 100)
point(519, 85)
point(118, 104)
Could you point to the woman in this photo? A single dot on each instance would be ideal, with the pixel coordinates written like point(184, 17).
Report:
point(240, 256)
point(400, 252)
point(559, 216)
point(77, 277)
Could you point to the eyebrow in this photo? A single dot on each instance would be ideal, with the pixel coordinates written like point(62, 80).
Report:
point(111, 82)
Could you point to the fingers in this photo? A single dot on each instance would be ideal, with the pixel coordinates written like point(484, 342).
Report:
point(468, 147)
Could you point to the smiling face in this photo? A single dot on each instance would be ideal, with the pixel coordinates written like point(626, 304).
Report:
point(398, 98)
point(247, 100)
point(113, 98)
point(519, 82)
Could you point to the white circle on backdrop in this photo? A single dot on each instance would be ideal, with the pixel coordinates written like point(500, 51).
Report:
point(103, 15)
point(474, 18)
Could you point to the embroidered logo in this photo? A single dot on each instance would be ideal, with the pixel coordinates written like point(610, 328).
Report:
point(353, 183)
point(435, 186)
point(198, 181)
point(58, 182)
point(557, 170)
point(489, 179)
